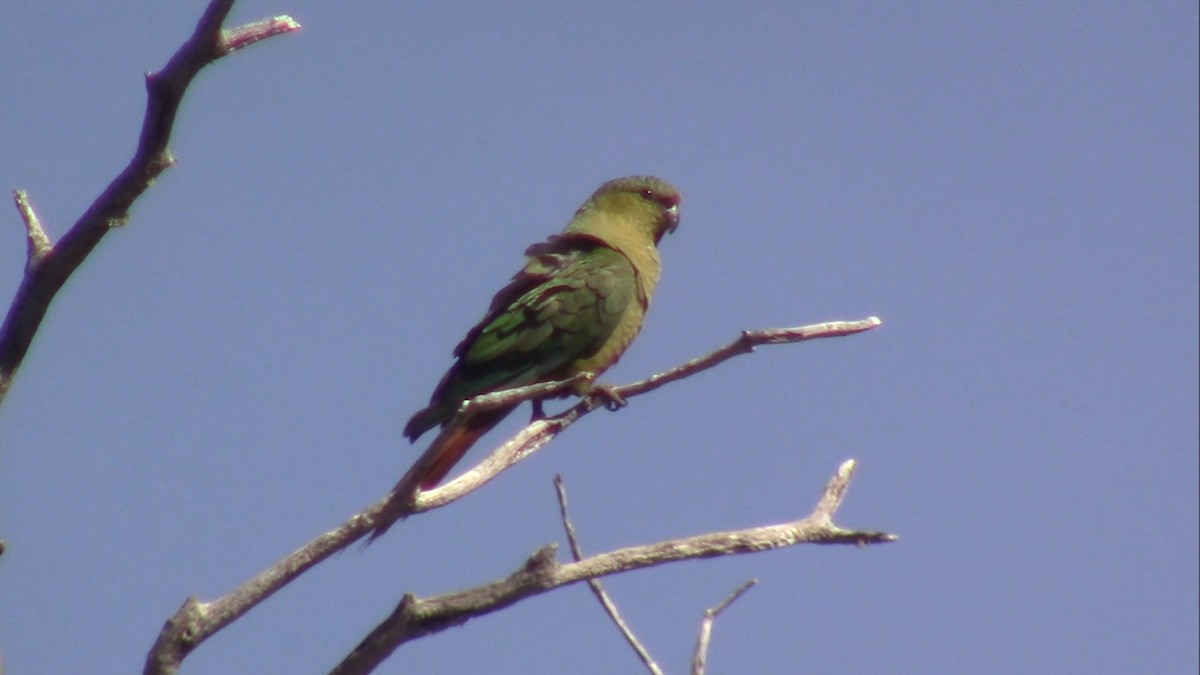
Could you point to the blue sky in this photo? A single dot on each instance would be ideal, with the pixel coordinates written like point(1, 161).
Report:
point(1011, 187)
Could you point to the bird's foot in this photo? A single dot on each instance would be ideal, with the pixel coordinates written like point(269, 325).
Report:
point(612, 399)
point(538, 412)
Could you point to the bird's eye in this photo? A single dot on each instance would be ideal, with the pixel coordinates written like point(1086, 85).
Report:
point(648, 194)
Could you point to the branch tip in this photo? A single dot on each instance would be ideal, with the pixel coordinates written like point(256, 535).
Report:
point(542, 559)
point(241, 37)
point(737, 593)
point(835, 490)
point(37, 242)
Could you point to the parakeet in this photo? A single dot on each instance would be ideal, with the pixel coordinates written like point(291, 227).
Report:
point(573, 308)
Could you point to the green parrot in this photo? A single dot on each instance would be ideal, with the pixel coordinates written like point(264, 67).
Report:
point(573, 308)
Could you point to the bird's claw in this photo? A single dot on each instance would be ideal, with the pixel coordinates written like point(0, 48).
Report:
point(612, 400)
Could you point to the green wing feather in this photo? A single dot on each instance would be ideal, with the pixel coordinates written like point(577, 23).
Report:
point(560, 308)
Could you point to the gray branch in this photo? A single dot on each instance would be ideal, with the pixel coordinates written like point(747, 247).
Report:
point(196, 621)
point(418, 617)
point(49, 265)
point(700, 657)
point(610, 607)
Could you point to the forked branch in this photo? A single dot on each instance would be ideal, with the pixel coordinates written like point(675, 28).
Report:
point(538, 433)
point(700, 656)
point(418, 617)
point(49, 265)
point(197, 621)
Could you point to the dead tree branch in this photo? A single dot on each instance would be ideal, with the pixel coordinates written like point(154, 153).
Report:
point(196, 621)
point(700, 658)
point(610, 607)
point(418, 617)
point(405, 502)
point(49, 265)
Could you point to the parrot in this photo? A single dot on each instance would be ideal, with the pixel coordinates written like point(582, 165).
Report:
point(574, 308)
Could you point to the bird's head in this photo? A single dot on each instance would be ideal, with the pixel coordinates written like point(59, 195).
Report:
point(647, 204)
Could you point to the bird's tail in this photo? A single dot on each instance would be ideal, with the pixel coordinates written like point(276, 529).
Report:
point(450, 445)
point(447, 450)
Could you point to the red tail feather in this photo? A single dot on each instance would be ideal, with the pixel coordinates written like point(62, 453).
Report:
point(446, 450)
point(440, 457)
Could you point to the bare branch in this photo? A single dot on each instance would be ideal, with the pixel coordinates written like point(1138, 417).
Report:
point(700, 658)
point(197, 621)
point(415, 617)
point(507, 397)
point(49, 267)
point(609, 606)
point(746, 344)
point(541, 432)
point(405, 499)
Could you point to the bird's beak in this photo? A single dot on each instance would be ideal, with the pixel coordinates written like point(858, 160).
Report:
point(672, 217)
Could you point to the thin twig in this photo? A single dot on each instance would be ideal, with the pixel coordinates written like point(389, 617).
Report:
point(598, 589)
point(416, 617)
point(48, 268)
point(700, 657)
point(745, 343)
